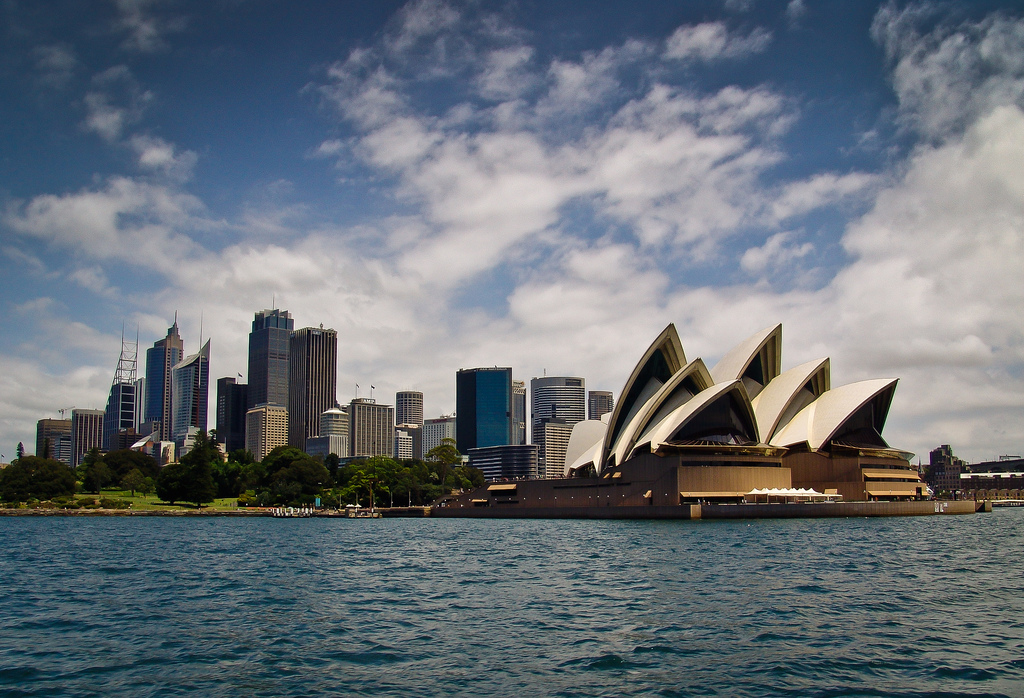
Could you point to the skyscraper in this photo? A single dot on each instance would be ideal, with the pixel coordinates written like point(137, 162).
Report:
point(373, 428)
point(269, 345)
point(556, 404)
point(599, 402)
point(518, 412)
point(334, 434)
point(231, 409)
point(312, 381)
point(190, 393)
point(409, 407)
point(54, 436)
point(120, 413)
point(160, 359)
point(483, 405)
point(86, 433)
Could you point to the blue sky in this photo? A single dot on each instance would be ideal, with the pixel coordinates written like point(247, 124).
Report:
point(477, 183)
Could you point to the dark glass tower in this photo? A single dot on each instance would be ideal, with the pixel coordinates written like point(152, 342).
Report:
point(312, 381)
point(231, 408)
point(268, 358)
point(160, 359)
point(483, 407)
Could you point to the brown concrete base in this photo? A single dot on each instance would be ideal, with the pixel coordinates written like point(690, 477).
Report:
point(717, 511)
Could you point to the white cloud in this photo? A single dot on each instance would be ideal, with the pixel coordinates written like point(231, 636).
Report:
point(145, 28)
point(947, 78)
point(819, 190)
point(712, 41)
point(116, 103)
point(775, 252)
point(156, 154)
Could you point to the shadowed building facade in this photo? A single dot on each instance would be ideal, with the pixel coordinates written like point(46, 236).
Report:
point(269, 347)
point(312, 381)
point(190, 395)
point(232, 404)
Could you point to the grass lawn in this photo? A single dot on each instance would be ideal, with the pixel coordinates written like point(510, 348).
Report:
point(143, 502)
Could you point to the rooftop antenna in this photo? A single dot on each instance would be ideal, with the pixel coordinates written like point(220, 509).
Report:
point(200, 330)
point(273, 301)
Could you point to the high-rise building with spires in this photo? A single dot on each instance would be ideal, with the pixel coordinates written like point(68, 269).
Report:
point(269, 345)
point(312, 381)
point(518, 413)
point(190, 394)
point(120, 412)
point(163, 356)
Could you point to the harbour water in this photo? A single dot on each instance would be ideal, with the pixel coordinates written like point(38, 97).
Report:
point(421, 607)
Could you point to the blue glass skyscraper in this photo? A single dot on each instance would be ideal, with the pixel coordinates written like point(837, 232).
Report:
point(268, 358)
point(483, 406)
point(160, 359)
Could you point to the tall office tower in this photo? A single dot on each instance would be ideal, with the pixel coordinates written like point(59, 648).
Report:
point(483, 404)
point(190, 393)
point(268, 357)
point(53, 436)
point(436, 430)
point(266, 428)
point(409, 407)
point(599, 402)
point(120, 413)
point(560, 402)
point(86, 433)
point(232, 400)
point(334, 435)
point(518, 412)
point(160, 359)
point(373, 428)
point(312, 381)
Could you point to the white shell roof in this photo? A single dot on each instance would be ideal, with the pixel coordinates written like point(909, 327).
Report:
point(816, 423)
point(772, 402)
point(667, 397)
point(678, 417)
point(732, 365)
point(669, 345)
point(585, 444)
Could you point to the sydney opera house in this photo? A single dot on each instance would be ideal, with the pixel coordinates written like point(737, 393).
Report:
point(683, 434)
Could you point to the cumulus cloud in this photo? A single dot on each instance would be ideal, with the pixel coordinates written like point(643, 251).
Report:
point(775, 252)
point(712, 41)
point(116, 103)
point(948, 77)
point(819, 190)
point(157, 155)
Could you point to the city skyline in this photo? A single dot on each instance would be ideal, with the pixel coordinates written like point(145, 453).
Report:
point(453, 185)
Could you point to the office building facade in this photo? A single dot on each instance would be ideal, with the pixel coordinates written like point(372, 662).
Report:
point(232, 404)
point(312, 381)
point(556, 404)
point(120, 415)
point(599, 402)
point(190, 394)
point(436, 430)
point(372, 428)
point(53, 439)
point(509, 462)
point(518, 412)
point(409, 407)
point(161, 358)
point(483, 404)
point(266, 428)
point(269, 348)
point(86, 433)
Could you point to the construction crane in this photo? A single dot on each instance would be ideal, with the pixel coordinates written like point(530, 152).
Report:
point(65, 409)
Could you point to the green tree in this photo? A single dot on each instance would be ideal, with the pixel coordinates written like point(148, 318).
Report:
point(198, 470)
point(126, 460)
point(20, 452)
point(32, 477)
point(94, 473)
point(293, 477)
point(148, 486)
point(170, 484)
point(133, 480)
